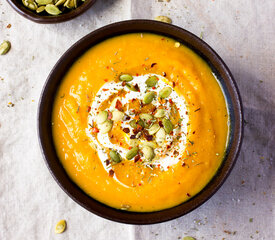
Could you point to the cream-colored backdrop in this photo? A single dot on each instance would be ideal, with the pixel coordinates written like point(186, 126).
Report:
point(242, 32)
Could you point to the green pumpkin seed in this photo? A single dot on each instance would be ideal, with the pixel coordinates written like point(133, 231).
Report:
point(106, 126)
point(150, 144)
point(148, 153)
point(163, 19)
point(188, 238)
point(133, 142)
point(60, 2)
point(115, 156)
point(75, 3)
point(160, 113)
point(165, 92)
point(117, 115)
point(132, 153)
point(40, 9)
point(133, 124)
point(168, 126)
point(125, 77)
point(60, 226)
point(52, 9)
point(155, 127)
point(113, 104)
point(149, 97)
point(141, 123)
point(30, 4)
point(5, 47)
point(146, 117)
point(151, 81)
point(69, 4)
point(131, 87)
point(101, 117)
point(160, 136)
point(43, 2)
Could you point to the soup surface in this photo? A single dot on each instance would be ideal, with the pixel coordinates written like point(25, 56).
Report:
point(140, 122)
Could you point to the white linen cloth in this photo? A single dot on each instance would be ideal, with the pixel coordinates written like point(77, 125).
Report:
point(31, 203)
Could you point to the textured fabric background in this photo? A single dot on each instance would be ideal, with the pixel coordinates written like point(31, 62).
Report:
point(242, 32)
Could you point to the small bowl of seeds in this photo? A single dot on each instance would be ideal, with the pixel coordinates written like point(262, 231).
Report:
point(50, 11)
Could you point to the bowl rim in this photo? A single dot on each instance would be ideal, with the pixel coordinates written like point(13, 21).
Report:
point(46, 102)
point(33, 16)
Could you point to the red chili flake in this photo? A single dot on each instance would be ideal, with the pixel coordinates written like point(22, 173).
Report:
point(107, 67)
point(88, 108)
point(137, 74)
point(137, 88)
point(126, 130)
point(174, 84)
point(107, 162)
point(139, 184)
point(178, 182)
point(183, 164)
point(176, 152)
point(164, 74)
point(154, 108)
point(118, 105)
point(106, 80)
point(94, 130)
point(104, 89)
point(153, 64)
point(149, 137)
point(163, 39)
point(143, 65)
point(188, 194)
point(186, 113)
point(154, 88)
point(132, 136)
point(194, 132)
point(170, 101)
point(111, 173)
point(110, 115)
point(136, 158)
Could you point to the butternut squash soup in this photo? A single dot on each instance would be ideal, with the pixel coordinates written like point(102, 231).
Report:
point(140, 122)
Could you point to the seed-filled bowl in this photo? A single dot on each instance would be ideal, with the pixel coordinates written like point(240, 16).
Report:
point(140, 122)
point(50, 11)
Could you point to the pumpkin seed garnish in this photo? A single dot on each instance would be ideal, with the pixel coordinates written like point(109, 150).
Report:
point(149, 97)
point(115, 156)
point(168, 126)
point(163, 19)
point(5, 47)
point(101, 117)
point(141, 123)
point(160, 136)
point(146, 116)
point(106, 126)
point(133, 123)
point(165, 92)
point(160, 113)
point(131, 87)
point(148, 153)
point(52, 9)
point(69, 4)
point(151, 81)
point(30, 4)
point(60, 2)
point(152, 130)
point(132, 153)
point(43, 2)
point(117, 115)
point(60, 226)
point(177, 44)
point(125, 78)
point(40, 9)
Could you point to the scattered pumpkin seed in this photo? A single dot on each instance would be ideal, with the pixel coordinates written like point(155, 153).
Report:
point(168, 126)
point(43, 2)
point(188, 238)
point(106, 126)
point(163, 19)
point(177, 44)
point(40, 9)
point(60, 2)
point(148, 153)
point(113, 104)
point(146, 116)
point(155, 127)
point(132, 153)
point(115, 156)
point(151, 81)
point(133, 142)
point(60, 226)
point(165, 92)
point(150, 144)
point(69, 4)
point(125, 77)
point(5, 47)
point(160, 113)
point(149, 97)
point(160, 136)
point(141, 123)
point(131, 87)
point(133, 123)
point(52, 9)
point(101, 117)
point(117, 115)
point(31, 4)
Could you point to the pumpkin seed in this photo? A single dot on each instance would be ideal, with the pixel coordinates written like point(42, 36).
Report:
point(69, 4)
point(165, 92)
point(43, 2)
point(115, 156)
point(30, 4)
point(40, 9)
point(5, 47)
point(52, 9)
point(188, 238)
point(132, 153)
point(152, 130)
point(177, 44)
point(133, 142)
point(148, 153)
point(106, 126)
point(125, 77)
point(113, 104)
point(75, 3)
point(150, 144)
point(60, 226)
point(163, 19)
point(146, 117)
point(101, 117)
point(168, 126)
point(133, 123)
point(151, 81)
point(117, 115)
point(160, 136)
point(160, 113)
point(131, 87)
point(141, 123)
point(149, 97)
point(60, 2)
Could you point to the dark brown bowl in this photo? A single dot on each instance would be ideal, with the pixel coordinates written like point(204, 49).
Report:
point(45, 115)
point(18, 6)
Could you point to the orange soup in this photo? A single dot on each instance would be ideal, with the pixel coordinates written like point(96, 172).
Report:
point(140, 122)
